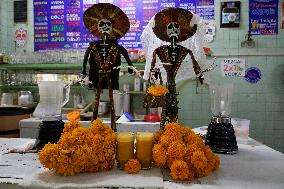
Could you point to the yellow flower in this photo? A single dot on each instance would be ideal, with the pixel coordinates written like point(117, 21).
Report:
point(157, 90)
point(132, 166)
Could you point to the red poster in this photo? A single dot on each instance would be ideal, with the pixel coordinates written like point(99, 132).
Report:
point(282, 15)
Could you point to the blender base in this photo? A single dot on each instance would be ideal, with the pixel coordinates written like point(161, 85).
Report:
point(221, 138)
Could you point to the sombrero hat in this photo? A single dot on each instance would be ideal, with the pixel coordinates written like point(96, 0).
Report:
point(119, 20)
point(179, 15)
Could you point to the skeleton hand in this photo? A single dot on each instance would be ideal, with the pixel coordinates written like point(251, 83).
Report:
point(201, 78)
point(83, 79)
point(136, 72)
point(82, 75)
point(210, 67)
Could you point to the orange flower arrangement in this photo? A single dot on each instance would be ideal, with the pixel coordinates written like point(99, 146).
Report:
point(81, 149)
point(132, 166)
point(184, 153)
point(157, 90)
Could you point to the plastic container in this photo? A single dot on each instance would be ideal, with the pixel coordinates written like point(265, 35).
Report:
point(241, 127)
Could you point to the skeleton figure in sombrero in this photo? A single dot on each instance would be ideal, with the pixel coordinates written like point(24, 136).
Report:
point(109, 23)
point(173, 25)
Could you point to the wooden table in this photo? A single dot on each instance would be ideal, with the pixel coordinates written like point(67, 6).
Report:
point(255, 166)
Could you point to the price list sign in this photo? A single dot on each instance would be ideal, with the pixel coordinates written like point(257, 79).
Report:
point(41, 32)
point(58, 24)
point(233, 67)
point(205, 9)
point(263, 17)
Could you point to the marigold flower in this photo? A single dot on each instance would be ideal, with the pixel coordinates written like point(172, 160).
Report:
point(157, 90)
point(174, 131)
point(132, 166)
point(198, 159)
point(176, 150)
point(180, 171)
point(159, 155)
point(74, 115)
point(72, 124)
point(157, 136)
point(193, 138)
point(165, 141)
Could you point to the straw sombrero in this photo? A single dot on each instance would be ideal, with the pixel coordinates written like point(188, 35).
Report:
point(179, 15)
point(119, 20)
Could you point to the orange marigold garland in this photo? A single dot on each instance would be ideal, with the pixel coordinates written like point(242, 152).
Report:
point(184, 152)
point(81, 149)
point(157, 90)
point(132, 166)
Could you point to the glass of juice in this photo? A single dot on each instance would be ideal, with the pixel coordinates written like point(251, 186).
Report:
point(144, 144)
point(124, 148)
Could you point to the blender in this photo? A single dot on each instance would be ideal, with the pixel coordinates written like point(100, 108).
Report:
point(221, 135)
point(51, 99)
point(49, 110)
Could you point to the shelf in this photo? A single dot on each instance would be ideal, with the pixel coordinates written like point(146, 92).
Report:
point(136, 92)
point(33, 87)
point(59, 66)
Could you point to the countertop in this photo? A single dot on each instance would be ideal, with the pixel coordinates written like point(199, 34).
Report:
point(254, 166)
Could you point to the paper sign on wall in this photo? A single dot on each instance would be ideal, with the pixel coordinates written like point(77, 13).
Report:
point(263, 17)
point(233, 67)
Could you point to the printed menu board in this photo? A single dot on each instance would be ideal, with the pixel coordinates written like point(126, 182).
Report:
point(58, 24)
point(282, 16)
point(263, 17)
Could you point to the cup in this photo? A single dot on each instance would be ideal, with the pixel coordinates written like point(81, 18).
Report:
point(241, 127)
point(7, 99)
point(144, 145)
point(125, 148)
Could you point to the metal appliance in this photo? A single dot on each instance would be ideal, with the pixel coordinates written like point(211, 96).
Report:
point(25, 98)
point(221, 135)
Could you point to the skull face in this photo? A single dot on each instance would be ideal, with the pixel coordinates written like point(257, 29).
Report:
point(105, 26)
point(173, 29)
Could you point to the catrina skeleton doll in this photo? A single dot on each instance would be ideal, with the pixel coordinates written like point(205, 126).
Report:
point(108, 22)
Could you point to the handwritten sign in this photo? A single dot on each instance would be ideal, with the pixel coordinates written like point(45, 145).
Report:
point(233, 67)
point(58, 24)
point(263, 17)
